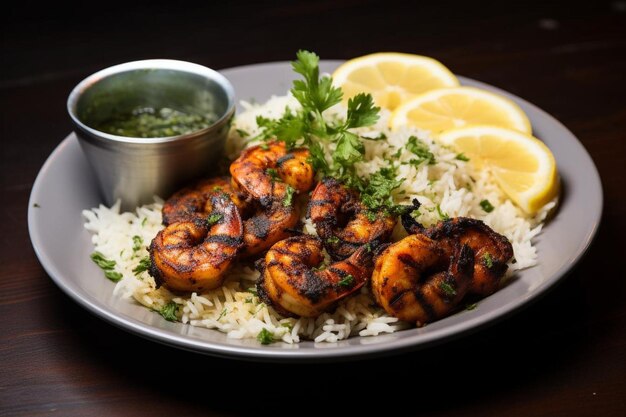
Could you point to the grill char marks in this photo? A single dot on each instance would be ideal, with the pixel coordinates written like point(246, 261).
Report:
point(492, 251)
point(193, 255)
point(343, 222)
point(415, 279)
point(259, 226)
point(295, 281)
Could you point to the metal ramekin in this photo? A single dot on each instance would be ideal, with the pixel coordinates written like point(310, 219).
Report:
point(136, 169)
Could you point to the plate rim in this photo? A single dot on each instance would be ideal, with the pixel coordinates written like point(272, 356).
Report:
point(328, 352)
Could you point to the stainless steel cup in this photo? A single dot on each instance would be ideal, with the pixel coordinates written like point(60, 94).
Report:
point(136, 169)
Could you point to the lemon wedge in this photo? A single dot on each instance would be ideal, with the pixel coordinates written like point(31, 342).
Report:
point(392, 78)
point(521, 164)
point(447, 108)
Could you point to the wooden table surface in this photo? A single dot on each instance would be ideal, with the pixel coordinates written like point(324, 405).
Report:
point(563, 356)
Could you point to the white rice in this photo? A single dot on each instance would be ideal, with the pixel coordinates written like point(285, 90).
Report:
point(450, 184)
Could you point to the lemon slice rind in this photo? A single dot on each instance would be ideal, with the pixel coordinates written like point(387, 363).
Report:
point(533, 161)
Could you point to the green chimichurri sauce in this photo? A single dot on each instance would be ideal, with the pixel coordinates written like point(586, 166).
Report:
point(147, 122)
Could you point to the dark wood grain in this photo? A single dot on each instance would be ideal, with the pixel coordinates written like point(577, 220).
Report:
point(563, 356)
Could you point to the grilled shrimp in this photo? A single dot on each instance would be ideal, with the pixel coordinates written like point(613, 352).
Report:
point(415, 280)
point(492, 251)
point(190, 203)
point(291, 283)
point(343, 221)
point(193, 255)
point(268, 225)
point(264, 172)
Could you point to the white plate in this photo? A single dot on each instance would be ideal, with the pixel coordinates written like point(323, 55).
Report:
point(65, 186)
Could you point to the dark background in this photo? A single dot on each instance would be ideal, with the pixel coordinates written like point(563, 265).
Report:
point(562, 356)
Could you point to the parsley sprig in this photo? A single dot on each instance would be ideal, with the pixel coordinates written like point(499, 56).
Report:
point(333, 145)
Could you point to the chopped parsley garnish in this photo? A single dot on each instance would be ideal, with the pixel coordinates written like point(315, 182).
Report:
point(265, 146)
point(168, 311)
point(143, 222)
point(213, 219)
point(487, 206)
point(107, 265)
point(346, 281)
point(471, 306)
point(36, 205)
point(101, 261)
point(265, 337)
point(376, 193)
point(143, 265)
point(442, 215)
point(137, 243)
point(252, 290)
point(288, 200)
point(113, 275)
point(462, 157)
point(333, 240)
point(447, 289)
point(273, 174)
point(421, 150)
point(488, 260)
point(242, 133)
point(222, 314)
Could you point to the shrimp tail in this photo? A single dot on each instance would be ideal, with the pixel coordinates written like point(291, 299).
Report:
point(365, 255)
point(411, 225)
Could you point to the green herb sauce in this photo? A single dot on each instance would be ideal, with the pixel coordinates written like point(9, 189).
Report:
point(147, 122)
